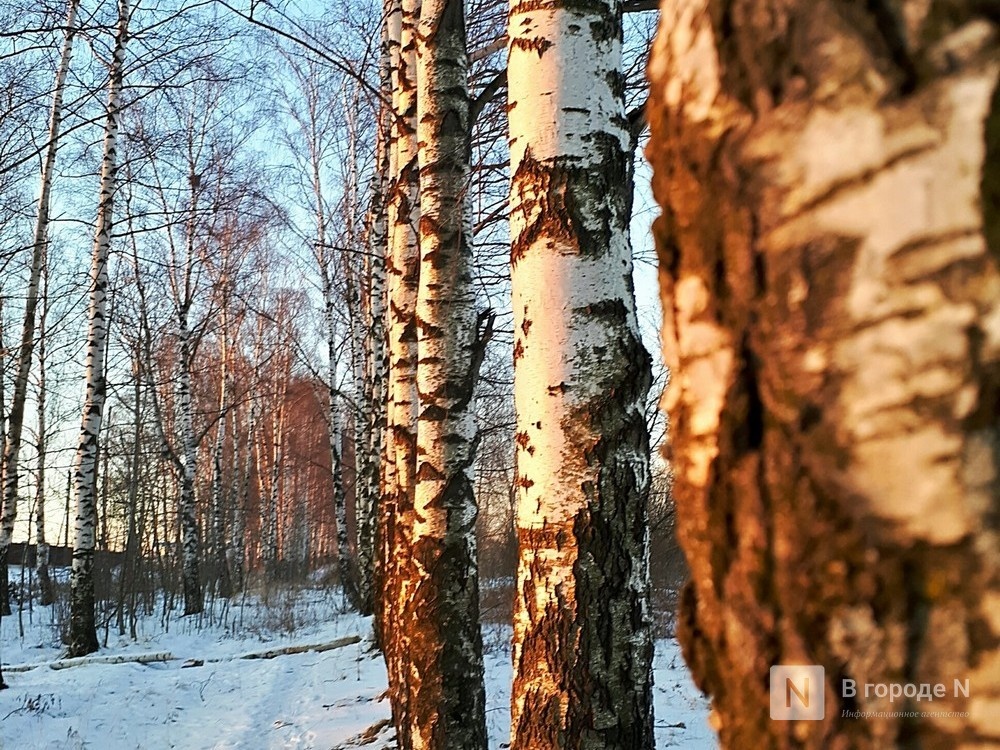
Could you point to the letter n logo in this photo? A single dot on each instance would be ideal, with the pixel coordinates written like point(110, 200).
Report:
point(797, 692)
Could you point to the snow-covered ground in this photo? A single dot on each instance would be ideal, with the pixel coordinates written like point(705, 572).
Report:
point(325, 699)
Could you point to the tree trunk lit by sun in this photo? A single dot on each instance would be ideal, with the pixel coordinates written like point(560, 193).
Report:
point(448, 698)
point(582, 644)
point(402, 271)
point(829, 271)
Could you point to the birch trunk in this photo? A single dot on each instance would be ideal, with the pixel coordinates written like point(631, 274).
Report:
point(4, 580)
point(271, 552)
point(345, 558)
point(190, 538)
point(218, 492)
point(46, 593)
point(240, 495)
point(357, 307)
point(447, 701)
point(829, 272)
point(379, 244)
point(403, 266)
point(582, 641)
point(363, 499)
point(242, 559)
point(4, 574)
point(372, 419)
point(375, 402)
point(82, 631)
point(15, 423)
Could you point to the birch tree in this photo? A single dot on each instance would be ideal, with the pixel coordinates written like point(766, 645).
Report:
point(447, 702)
point(45, 588)
point(402, 271)
point(829, 275)
point(82, 631)
point(12, 442)
point(582, 643)
point(379, 470)
point(219, 538)
point(325, 259)
point(188, 454)
point(200, 183)
point(4, 590)
point(376, 365)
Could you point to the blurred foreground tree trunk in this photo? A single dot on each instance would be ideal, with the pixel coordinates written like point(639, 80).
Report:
point(829, 247)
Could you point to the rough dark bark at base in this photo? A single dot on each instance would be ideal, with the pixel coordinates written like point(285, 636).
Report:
point(82, 628)
point(193, 600)
point(4, 584)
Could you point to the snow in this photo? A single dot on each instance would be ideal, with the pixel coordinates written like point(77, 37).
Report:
point(306, 700)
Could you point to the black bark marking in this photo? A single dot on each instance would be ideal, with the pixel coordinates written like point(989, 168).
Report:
point(539, 45)
point(574, 205)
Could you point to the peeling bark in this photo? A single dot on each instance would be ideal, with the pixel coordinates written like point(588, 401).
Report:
point(830, 285)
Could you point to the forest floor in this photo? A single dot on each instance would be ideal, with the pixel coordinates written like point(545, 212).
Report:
point(330, 699)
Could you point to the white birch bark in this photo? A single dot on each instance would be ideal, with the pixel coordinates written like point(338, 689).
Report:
point(357, 307)
point(447, 701)
point(582, 643)
point(12, 435)
point(46, 593)
point(402, 269)
point(219, 546)
point(241, 494)
point(385, 515)
point(183, 289)
point(357, 278)
point(345, 563)
point(83, 635)
point(4, 576)
point(190, 538)
point(375, 395)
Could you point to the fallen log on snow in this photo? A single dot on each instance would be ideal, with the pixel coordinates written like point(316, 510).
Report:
point(78, 661)
point(162, 656)
point(300, 649)
point(113, 659)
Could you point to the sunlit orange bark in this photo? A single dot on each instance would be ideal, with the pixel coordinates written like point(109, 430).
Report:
point(829, 275)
